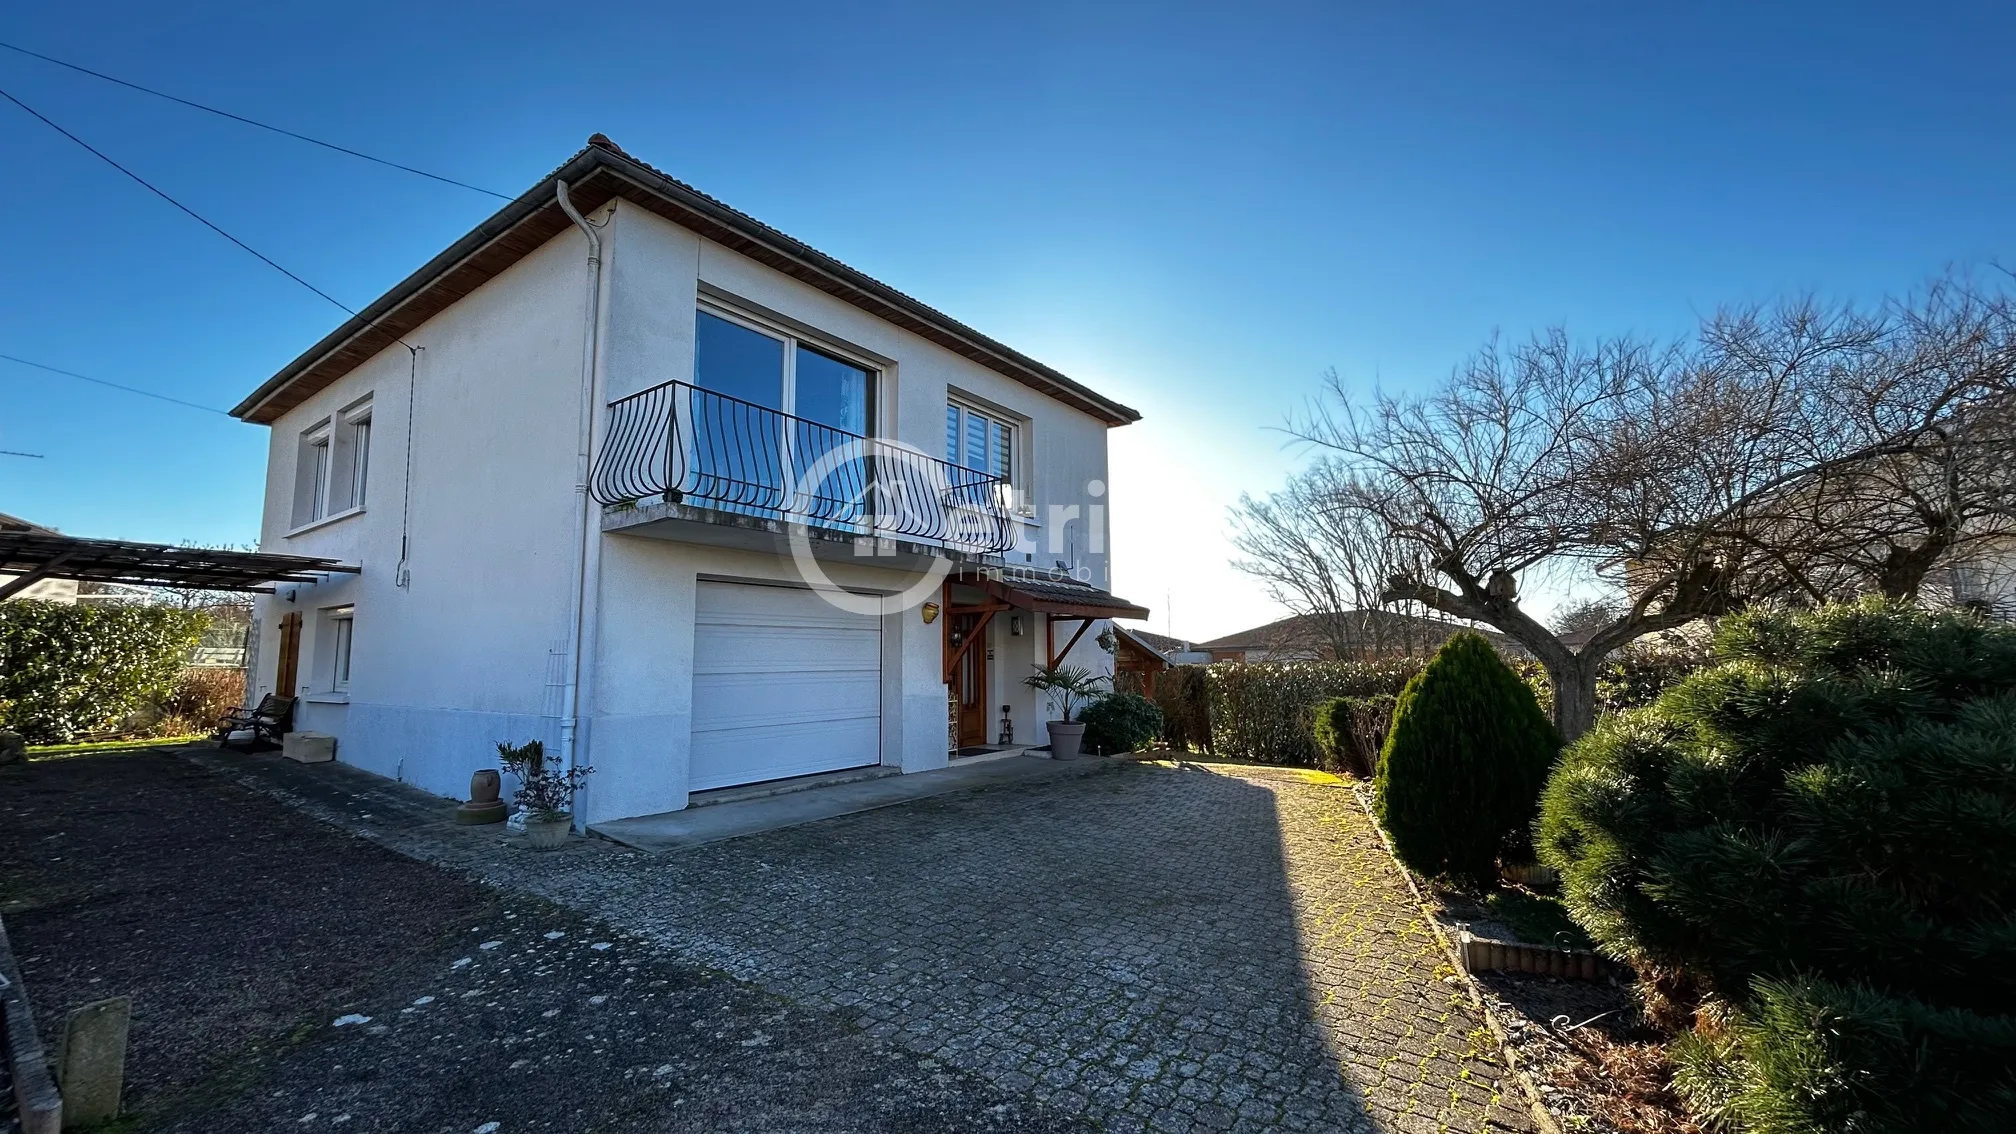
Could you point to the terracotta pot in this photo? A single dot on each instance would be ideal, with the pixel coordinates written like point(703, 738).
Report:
point(547, 834)
point(1066, 737)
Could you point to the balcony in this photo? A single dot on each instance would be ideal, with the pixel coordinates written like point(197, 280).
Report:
point(677, 460)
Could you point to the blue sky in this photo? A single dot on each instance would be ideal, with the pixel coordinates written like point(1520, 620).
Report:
point(1197, 211)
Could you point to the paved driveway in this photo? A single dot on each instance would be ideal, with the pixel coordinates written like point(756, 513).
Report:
point(1163, 947)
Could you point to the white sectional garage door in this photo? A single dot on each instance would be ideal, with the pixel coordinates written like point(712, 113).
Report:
point(783, 685)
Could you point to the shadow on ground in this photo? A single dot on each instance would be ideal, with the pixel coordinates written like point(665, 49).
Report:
point(287, 975)
point(1167, 947)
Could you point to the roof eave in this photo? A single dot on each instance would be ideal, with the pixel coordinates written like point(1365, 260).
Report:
point(596, 157)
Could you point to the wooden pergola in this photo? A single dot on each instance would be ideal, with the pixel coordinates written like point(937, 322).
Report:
point(33, 556)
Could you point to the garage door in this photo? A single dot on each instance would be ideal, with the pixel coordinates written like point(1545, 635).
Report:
point(783, 685)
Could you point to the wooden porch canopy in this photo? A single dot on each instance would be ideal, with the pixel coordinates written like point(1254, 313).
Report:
point(1062, 599)
point(38, 555)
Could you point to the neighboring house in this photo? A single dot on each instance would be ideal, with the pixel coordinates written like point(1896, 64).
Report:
point(1175, 651)
point(564, 464)
point(1354, 635)
point(1984, 579)
point(48, 590)
point(1138, 660)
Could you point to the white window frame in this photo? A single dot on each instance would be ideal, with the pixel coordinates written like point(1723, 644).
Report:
point(333, 473)
point(360, 456)
point(1018, 431)
point(342, 644)
point(322, 463)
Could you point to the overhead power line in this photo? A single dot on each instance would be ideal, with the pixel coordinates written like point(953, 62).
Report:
point(255, 122)
point(113, 385)
point(12, 453)
point(200, 218)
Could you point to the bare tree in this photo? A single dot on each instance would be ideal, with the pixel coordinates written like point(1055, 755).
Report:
point(1786, 453)
point(1329, 566)
point(1586, 615)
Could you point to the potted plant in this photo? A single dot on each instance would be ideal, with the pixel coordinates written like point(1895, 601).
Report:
point(1068, 687)
point(545, 795)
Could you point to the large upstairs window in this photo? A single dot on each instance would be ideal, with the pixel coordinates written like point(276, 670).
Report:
point(777, 371)
point(782, 406)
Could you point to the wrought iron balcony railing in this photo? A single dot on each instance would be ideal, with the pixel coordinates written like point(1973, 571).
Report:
point(692, 445)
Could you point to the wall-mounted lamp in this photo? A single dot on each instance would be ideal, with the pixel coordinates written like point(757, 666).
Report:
point(930, 613)
point(1015, 626)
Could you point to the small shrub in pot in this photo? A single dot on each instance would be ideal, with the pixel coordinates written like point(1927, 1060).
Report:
point(545, 794)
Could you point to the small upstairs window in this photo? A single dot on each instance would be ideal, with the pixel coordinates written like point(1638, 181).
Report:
point(335, 465)
point(979, 440)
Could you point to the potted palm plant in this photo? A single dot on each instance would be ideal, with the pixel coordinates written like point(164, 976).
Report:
point(545, 794)
point(1068, 687)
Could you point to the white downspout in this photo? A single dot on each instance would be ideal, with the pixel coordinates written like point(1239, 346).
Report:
point(570, 706)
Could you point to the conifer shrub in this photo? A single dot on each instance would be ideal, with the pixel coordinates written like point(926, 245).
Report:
point(1464, 763)
point(1818, 832)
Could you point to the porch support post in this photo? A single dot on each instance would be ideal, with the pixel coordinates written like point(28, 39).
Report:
point(1056, 655)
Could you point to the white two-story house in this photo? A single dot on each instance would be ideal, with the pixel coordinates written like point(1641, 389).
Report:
point(630, 472)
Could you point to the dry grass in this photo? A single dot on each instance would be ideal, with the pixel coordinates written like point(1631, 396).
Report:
point(1626, 1084)
point(201, 697)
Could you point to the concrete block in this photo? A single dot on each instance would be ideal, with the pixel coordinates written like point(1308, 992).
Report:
point(91, 1069)
point(308, 747)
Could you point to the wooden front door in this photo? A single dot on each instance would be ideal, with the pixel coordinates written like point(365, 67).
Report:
point(969, 680)
point(289, 676)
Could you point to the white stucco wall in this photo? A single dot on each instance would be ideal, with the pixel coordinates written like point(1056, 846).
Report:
point(471, 650)
point(461, 657)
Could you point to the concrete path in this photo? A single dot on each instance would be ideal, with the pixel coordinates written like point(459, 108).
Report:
point(1169, 947)
point(713, 822)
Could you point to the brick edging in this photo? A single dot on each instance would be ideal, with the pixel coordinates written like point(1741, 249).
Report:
point(40, 1106)
point(1541, 1115)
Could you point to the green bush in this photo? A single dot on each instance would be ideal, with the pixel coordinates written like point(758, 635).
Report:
point(78, 670)
point(1121, 722)
point(1350, 731)
point(1819, 832)
point(1464, 763)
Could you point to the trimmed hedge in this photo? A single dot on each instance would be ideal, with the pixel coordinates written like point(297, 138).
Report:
point(1819, 833)
point(1463, 766)
point(1121, 722)
point(70, 671)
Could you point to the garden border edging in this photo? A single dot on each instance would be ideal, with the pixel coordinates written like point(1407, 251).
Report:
point(35, 1094)
point(1499, 1032)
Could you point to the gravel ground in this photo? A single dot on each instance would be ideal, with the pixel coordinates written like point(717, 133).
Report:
point(1177, 947)
point(288, 975)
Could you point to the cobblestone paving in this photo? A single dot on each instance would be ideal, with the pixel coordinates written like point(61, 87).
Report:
point(1166, 948)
